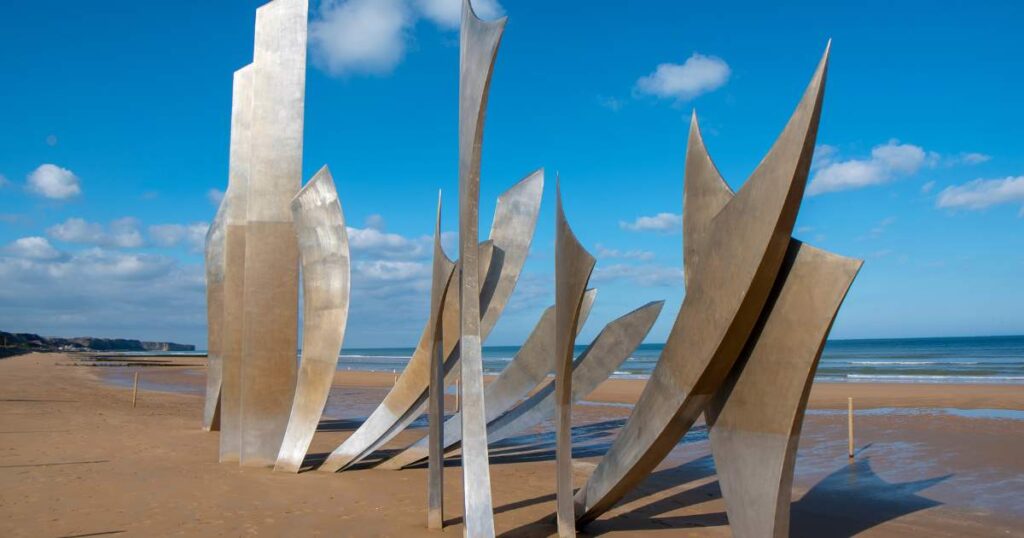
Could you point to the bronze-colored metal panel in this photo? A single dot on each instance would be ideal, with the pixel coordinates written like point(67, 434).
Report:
point(755, 418)
point(729, 281)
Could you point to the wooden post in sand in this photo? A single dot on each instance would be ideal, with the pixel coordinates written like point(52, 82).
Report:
point(135, 389)
point(849, 422)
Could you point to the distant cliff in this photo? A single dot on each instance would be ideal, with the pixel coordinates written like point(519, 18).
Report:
point(35, 342)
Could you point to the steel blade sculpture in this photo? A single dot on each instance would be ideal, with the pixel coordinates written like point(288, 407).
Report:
point(323, 249)
point(527, 369)
point(478, 48)
point(214, 260)
point(743, 349)
point(271, 295)
point(235, 204)
point(502, 258)
point(573, 266)
point(443, 269)
point(730, 273)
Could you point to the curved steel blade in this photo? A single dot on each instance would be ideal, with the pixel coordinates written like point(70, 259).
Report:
point(573, 266)
point(502, 259)
point(326, 281)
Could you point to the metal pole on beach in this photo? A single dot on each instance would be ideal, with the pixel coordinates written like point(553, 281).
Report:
point(135, 390)
point(849, 422)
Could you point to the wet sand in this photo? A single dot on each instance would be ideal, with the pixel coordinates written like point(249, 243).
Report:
point(76, 459)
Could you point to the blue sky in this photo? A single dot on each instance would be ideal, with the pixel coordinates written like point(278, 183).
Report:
point(115, 141)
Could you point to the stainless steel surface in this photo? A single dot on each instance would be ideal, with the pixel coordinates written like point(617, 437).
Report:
point(730, 276)
point(478, 48)
point(441, 277)
point(755, 418)
point(214, 258)
point(270, 322)
point(502, 258)
point(573, 266)
point(234, 264)
point(326, 278)
point(530, 366)
point(592, 367)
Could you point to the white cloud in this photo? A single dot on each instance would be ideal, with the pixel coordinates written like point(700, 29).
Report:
point(636, 254)
point(662, 222)
point(611, 103)
point(377, 243)
point(699, 74)
point(360, 36)
point(171, 235)
point(887, 162)
point(969, 158)
point(983, 193)
point(122, 233)
point(927, 187)
point(32, 248)
point(4, 181)
point(824, 155)
point(448, 13)
point(642, 275)
point(215, 196)
point(52, 181)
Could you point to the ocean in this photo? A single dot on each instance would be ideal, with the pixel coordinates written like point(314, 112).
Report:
point(984, 359)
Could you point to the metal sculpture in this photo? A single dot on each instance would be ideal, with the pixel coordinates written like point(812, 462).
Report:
point(525, 372)
point(755, 418)
point(573, 266)
point(502, 258)
point(591, 368)
point(443, 269)
point(326, 278)
point(235, 204)
point(271, 252)
point(479, 42)
point(728, 287)
point(214, 320)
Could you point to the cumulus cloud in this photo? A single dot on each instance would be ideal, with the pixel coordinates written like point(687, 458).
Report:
point(887, 162)
point(371, 36)
point(642, 275)
point(192, 235)
point(969, 158)
point(377, 243)
point(448, 13)
point(360, 36)
point(662, 222)
point(4, 181)
point(32, 248)
point(215, 196)
point(699, 74)
point(983, 193)
point(635, 254)
point(121, 233)
point(52, 181)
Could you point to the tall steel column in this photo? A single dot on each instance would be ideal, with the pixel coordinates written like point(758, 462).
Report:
point(271, 252)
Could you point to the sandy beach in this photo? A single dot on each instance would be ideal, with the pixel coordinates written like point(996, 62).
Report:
point(77, 460)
